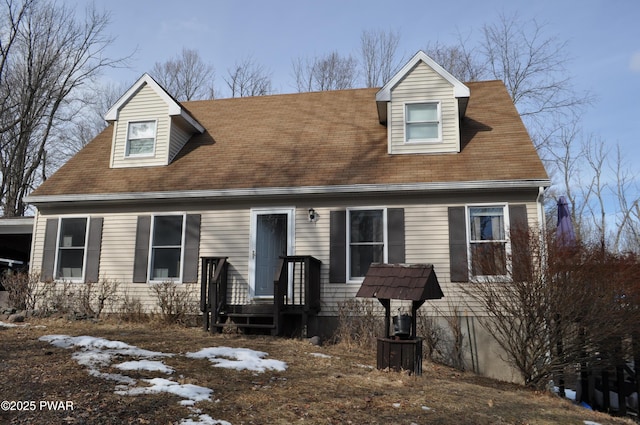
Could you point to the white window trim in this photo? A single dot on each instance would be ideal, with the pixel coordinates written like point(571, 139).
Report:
point(84, 255)
point(182, 243)
point(439, 113)
point(385, 240)
point(507, 240)
point(127, 155)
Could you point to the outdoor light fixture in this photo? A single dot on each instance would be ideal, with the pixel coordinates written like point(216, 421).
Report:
point(313, 215)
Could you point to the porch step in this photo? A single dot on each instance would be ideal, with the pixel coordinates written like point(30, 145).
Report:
point(249, 319)
point(245, 325)
point(247, 315)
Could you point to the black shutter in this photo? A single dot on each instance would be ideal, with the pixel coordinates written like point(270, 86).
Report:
point(49, 252)
point(141, 256)
point(338, 247)
point(459, 267)
point(518, 227)
point(395, 234)
point(94, 242)
point(191, 248)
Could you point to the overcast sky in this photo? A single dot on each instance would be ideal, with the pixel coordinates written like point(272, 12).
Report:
point(603, 39)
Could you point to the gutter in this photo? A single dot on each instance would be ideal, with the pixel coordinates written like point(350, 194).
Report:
point(357, 189)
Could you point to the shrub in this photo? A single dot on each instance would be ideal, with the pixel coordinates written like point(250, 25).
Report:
point(22, 288)
point(132, 310)
point(91, 298)
point(175, 302)
point(359, 323)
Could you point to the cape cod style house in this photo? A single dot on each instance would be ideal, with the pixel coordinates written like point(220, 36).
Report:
point(287, 199)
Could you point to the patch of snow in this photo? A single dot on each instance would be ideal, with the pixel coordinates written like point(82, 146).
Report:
point(12, 325)
point(321, 355)
point(161, 385)
point(397, 405)
point(204, 420)
point(97, 353)
point(93, 343)
point(590, 423)
point(238, 358)
point(426, 408)
point(112, 377)
point(150, 365)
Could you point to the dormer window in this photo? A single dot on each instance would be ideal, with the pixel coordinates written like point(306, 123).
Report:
point(423, 122)
point(141, 139)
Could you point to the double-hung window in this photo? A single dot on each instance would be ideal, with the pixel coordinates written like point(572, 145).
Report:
point(488, 240)
point(141, 138)
point(167, 244)
point(422, 122)
point(72, 244)
point(366, 239)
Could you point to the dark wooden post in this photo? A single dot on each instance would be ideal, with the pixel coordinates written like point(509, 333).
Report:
point(204, 305)
point(606, 397)
point(386, 303)
point(622, 400)
point(213, 293)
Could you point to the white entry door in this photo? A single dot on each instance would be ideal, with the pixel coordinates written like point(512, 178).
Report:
point(271, 238)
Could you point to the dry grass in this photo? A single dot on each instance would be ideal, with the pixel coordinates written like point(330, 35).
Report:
point(340, 389)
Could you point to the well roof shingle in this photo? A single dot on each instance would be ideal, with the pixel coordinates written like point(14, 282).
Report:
point(416, 282)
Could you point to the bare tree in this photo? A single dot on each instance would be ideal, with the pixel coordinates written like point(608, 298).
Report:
point(48, 57)
point(533, 67)
point(247, 78)
point(627, 235)
point(457, 60)
point(186, 76)
point(88, 111)
point(378, 52)
point(331, 72)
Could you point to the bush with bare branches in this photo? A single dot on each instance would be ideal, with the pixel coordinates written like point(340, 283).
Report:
point(176, 303)
point(359, 323)
point(560, 307)
point(22, 289)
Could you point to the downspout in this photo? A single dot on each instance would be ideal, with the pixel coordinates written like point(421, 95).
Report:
point(541, 216)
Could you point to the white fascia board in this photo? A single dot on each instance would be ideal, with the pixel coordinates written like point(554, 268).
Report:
point(174, 107)
point(16, 225)
point(362, 189)
point(459, 89)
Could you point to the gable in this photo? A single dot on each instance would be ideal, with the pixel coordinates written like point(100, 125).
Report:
point(423, 85)
point(422, 105)
point(145, 106)
point(166, 125)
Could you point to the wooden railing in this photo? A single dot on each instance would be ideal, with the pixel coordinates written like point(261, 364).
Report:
point(296, 288)
point(213, 290)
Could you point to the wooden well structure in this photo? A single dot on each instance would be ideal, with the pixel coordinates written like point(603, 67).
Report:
point(414, 282)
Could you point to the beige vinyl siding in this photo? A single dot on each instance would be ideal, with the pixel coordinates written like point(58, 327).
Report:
point(145, 105)
point(179, 137)
point(225, 232)
point(423, 84)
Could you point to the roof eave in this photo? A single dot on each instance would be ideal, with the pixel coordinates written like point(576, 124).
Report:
point(358, 189)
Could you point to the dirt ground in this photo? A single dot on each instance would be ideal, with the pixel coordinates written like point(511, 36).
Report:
point(331, 384)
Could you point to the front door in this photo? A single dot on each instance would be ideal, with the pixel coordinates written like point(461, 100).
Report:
point(270, 241)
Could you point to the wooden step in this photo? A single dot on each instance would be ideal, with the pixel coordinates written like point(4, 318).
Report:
point(245, 325)
point(247, 315)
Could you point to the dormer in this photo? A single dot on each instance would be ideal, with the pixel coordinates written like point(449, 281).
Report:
point(149, 126)
point(422, 106)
